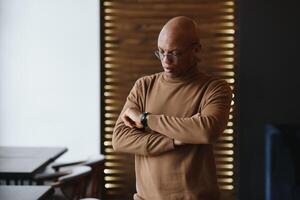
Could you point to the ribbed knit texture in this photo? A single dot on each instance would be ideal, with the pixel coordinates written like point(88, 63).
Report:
point(193, 109)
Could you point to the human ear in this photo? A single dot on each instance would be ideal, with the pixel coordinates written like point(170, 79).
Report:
point(197, 49)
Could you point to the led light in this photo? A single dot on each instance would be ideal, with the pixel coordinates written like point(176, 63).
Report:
point(110, 115)
point(227, 31)
point(225, 145)
point(225, 173)
point(226, 138)
point(106, 3)
point(107, 24)
point(224, 159)
point(230, 80)
point(108, 52)
point(229, 3)
point(229, 59)
point(229, 124)
point(232, 103)
point(109, 87)
point(108, 129)
point(109, 45)
point(229, 66)
point(107, 59)
point(225, 166)
point(112, 185)
point(228, 131)
point(107, 143)
point(108, 80)
point(110, 66)
point(108, 10)
point(227, 52)
point(225, 180)
point(108, 31)
point(225, 38)
point(228, 17)
point(112, 178)
point(112, 164)
point(228, 73)
point(226, 187)
point(228, 10)
point(114, 157)
point(109, 150)
point(108, 136)
point(224, 152)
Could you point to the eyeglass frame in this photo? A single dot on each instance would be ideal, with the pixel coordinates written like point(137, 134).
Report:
point(172, 56)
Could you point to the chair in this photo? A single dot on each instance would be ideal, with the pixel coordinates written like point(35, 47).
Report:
point(282, 167)
point(96, 163)
point(72, 183)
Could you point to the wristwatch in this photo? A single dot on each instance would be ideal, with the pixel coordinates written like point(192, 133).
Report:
point(144, 119)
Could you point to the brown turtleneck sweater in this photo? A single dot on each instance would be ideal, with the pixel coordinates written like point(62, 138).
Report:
point(193, 109)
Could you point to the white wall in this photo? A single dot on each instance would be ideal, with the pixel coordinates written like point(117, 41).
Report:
point(49, 75)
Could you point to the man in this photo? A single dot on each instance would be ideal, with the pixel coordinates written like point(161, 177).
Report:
point(171, 119)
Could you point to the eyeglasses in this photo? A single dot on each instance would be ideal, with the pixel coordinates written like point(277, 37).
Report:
point(171, 56)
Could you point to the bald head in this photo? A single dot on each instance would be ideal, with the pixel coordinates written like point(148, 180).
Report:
point(178, 46)
point(181, 30)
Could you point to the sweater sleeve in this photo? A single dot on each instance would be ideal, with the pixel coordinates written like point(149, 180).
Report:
point(133, 140)
point(203, 127)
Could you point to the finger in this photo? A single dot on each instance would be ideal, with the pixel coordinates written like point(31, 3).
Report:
point(132, 123)
point(129, 125)
point(128, 122)
point(139, 125)
point(125, 120)
point(178, 142)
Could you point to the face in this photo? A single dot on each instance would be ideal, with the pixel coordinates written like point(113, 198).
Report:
point(183, 56)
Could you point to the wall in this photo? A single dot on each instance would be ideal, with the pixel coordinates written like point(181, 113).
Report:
point(268, 82)
point(49, 75)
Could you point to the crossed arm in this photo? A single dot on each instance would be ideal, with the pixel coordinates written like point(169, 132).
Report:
point(133, 140)
point(168, 131)
point(129, 138)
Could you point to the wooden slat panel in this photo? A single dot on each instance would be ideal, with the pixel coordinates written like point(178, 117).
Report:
point(129, 37)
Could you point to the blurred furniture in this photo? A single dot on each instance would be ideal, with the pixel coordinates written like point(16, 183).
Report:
point(18, 164)
point(96, 178)
point(71, 183)
point(17, 192)
point(282, 167)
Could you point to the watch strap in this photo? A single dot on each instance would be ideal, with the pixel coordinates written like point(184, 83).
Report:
point(144, 119)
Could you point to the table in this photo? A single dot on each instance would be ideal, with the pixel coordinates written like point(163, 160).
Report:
point(24, 192)
point(22, 163)
point(51, 153)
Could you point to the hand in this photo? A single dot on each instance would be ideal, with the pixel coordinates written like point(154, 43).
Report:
point(132, 118)
point(178, 143)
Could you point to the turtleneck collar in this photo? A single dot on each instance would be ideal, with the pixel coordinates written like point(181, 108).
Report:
point(191, 74)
